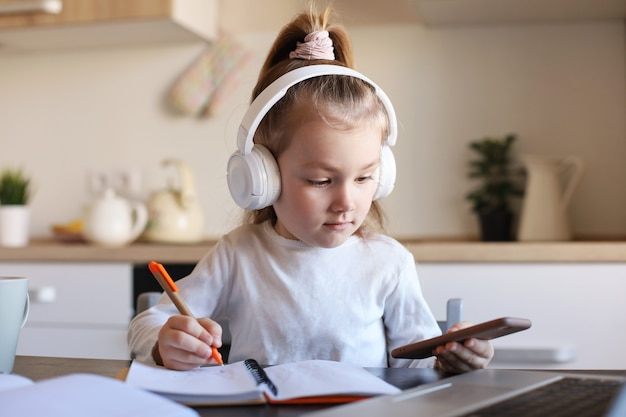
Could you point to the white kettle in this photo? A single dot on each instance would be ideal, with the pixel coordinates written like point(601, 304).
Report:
point(175, 216)
point(114, 221)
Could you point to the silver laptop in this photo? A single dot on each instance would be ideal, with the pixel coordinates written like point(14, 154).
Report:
point(473, 392)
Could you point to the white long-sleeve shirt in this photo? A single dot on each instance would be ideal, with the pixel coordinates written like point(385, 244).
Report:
point(287, 301)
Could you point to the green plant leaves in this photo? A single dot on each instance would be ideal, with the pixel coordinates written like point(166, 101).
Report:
point(493, 168)
point(14, 187)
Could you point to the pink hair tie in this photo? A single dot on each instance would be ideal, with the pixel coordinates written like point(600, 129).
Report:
point(316, 45)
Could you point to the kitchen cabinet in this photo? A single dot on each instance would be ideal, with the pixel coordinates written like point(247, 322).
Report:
point(96, 23)
point(572, 291)
point(93, 23)
point(272, 14)
point(577, 309)
point(79, 310)
point(464, 12)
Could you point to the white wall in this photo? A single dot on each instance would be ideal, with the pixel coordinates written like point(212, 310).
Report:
point(560, 87)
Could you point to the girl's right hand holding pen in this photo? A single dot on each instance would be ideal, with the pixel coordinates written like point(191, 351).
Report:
point(185, 343)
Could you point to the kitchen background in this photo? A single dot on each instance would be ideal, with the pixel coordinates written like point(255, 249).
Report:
point(560, 85)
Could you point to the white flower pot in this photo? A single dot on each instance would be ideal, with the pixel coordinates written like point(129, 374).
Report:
point(14, 225)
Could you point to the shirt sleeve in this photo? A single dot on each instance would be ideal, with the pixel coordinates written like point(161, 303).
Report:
point(408, 317)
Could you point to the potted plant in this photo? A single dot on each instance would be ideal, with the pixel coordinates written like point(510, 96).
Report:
point(492, 199)
point(15, 192)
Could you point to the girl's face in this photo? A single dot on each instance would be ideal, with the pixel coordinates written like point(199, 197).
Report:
point(327, 180)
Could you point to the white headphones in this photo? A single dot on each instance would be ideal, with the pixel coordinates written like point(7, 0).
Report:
point(253, 176)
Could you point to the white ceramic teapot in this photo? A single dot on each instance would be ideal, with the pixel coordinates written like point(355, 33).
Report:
point(114, 221)
point(175, 216)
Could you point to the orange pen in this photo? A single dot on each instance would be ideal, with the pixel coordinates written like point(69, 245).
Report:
point(169, 286)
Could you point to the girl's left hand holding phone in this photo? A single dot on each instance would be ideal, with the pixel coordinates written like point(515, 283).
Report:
point(455, 357)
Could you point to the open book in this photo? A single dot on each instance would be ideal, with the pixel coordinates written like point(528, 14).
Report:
point(82, 395)
point(313, 381)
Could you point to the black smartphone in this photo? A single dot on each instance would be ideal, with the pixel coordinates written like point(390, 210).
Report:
point(485, 331)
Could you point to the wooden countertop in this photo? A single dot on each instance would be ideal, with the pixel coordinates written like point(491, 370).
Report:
point(447, 252)
point(50, 250)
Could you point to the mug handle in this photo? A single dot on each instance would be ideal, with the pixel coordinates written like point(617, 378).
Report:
point(26, 309)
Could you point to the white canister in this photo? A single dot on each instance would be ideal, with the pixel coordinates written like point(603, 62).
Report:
point(14, 225)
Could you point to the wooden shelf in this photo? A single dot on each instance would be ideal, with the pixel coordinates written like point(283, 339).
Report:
point(98, 23)
point(511, 252)
point(48, 250)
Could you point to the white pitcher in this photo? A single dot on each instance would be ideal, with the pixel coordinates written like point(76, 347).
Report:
point(550, 184)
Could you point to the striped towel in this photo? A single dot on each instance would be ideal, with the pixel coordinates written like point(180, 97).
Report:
point(202, 87)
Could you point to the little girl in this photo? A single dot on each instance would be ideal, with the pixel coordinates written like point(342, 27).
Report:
point(310, 274)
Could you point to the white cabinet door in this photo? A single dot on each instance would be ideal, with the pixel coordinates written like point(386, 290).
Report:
point(578, 311)
point(77, 309)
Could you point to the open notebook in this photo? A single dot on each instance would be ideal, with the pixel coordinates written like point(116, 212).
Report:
point(312, 381)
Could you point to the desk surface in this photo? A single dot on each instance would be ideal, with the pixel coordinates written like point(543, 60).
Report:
point(37, 368)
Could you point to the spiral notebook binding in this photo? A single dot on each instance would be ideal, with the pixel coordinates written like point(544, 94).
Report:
point(259, 375)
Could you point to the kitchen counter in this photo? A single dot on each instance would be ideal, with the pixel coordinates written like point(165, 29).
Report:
point(50, 250)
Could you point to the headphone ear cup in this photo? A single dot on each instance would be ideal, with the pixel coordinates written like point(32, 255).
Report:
point(386, 173)
point(253, 179)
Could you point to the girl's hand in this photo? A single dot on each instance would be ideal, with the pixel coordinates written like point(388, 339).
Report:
point(457, 357)
point(185, 343)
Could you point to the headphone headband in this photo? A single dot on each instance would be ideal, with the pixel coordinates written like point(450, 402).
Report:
point(277, 90)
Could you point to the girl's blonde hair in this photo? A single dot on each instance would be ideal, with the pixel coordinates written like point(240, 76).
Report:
point(341, 101)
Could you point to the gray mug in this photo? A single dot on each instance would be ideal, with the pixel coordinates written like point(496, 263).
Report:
point(14, 308)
